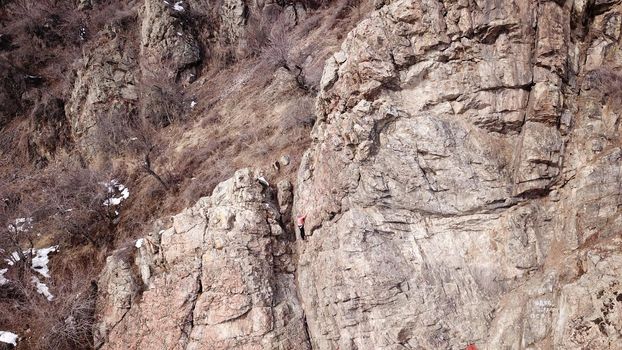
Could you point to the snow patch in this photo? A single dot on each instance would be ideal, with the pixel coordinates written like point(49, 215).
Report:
point(41, 259)
point(178, 6)
point(262, 180)
point(193, 103)
point(8, 338)
point(20, 225)
point(139, 243)
point(3, 279)
point(42, 288)
point(13, 259)
point(117, 193)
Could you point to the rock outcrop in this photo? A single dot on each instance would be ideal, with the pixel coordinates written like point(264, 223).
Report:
point(168, 47)
point(464, 181)
point(121, 80)
point(463, 187)
point(104, 90)
point(220, 277)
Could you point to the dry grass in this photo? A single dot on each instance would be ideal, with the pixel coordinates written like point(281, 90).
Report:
point(609, 83)
point(254, 106)
point(63, 323)
point(251, 112)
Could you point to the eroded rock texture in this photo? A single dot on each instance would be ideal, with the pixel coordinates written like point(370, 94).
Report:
point(220, 277)
point(464, 182)
point(104, 90)
point(463, 186)
point(121, 78)
point(168, 47)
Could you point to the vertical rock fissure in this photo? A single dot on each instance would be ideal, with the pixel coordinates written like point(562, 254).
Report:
point(189, 322)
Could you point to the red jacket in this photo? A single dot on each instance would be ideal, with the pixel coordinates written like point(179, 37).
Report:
point(300, 220)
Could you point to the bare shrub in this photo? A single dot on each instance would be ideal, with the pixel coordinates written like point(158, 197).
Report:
point(213, 118)
point(78, 199)
point(609, 83)
point(10, 91)
point(147, 146)
point(161, 101)
point(314, 4)
point(115, 129)
point(72, 325)
point(49, 128)
point(299, 114)
point(341, 11)
point(279, 45)
point(27, 211)
point(204, 183)
point(63, 323)
point(20, 209)
point(256, 37)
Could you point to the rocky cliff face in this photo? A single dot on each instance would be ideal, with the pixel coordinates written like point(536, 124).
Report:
point(463, 186)
point(464, 182)
point(219, 275)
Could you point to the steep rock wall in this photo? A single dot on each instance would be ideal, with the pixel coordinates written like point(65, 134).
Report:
point(220, 277)
point(463, 185)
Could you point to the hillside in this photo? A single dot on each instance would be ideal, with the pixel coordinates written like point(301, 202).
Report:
point(458, 165)
point(167, 101)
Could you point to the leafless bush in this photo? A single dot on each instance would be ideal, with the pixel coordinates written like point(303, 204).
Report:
point(65, 202)
point(202, 184)
point(10, 91)
point(79, 211)
point(63, 323)
point(256, 37)
point(279, 45)
point(342, 10)
point(147, 144)
point(314, 4)
point(299, 114)
point(608, 82)
point(50, 128)
point(73, 325)
point(221, 55)
point(19, 211)
point(160, 101)
point(115, 129)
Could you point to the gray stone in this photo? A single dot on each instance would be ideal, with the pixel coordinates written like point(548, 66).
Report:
point(224, 280)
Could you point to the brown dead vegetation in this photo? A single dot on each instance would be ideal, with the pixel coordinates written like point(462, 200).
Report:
point(609, 83)
point(254, 103)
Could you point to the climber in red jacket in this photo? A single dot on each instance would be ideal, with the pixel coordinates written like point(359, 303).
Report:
point(300, 222)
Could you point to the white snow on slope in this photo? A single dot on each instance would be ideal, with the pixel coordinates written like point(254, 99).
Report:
point(39, 263)
point(41, 259)
point(8, 338)
point(139, 243)
point(178, 6)
point(118, 193)
point(20, 225)
point(13, 259)
point(42, 288)
point(3, 279)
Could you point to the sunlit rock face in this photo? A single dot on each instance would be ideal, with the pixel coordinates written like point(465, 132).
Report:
point(219, 277)
point(464, 181)
point(463, 187)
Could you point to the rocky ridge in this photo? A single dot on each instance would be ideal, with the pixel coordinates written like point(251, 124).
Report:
point(219, 275)
point(463, 186)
